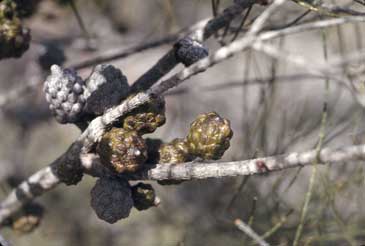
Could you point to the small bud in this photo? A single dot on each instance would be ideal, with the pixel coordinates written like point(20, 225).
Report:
point(111, 199)
point(209, 136)
point(147, 118)
point(106, 87)
point(63, 89)
point(144, 196)
point(174, 152)
point(189, 51)
point(122, 151)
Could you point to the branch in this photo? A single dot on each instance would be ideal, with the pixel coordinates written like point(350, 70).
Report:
point(36, 185)
point(169, 61)
point(45, 180)
point(107, 56)
point(19, 91)
point(203, 170)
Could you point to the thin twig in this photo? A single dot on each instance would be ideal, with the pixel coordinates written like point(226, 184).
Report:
point(242, 226)
point(15, 93)
point(79, 20)
point(106, 56)
point(318, 150)
point(169, 61)
point(277, 226)
point(327, 9)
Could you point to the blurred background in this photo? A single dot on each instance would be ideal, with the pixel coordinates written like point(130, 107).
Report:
point(274, 107)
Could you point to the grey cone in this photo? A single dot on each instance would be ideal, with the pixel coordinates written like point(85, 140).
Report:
point(64, 93)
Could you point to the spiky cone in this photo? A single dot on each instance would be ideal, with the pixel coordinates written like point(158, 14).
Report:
point(147, 118)
point(122, 151)
point(28, 219)
point(111, 199)
point(63, 89)
point(106, 87)
point(14, 38)
point(209, 136)
point(144, 196)
point(175, 152)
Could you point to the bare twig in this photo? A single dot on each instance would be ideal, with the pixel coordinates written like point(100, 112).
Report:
point(45, 180)
point(242, 226)
point(79, 20)
point(169, 61)
point(321, 136)
point(327, 9)
point(196, 170)
point(15, 93)
point(277, 226)
point(106, 56)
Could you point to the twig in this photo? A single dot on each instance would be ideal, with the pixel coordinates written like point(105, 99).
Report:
point(327, 9)
point(241, 24)
point(237, 193)
point(309, 193)
point(277, 226)
point(198, 170)
point(37, 184)
point(108, 56)
point(169, 61)
point(45, 180)
point(259, 23)
point(80, 21)
point(242, 226)
point(117, 54)
point(15, 93)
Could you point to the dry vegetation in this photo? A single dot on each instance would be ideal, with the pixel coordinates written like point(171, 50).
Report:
point(289, 75)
